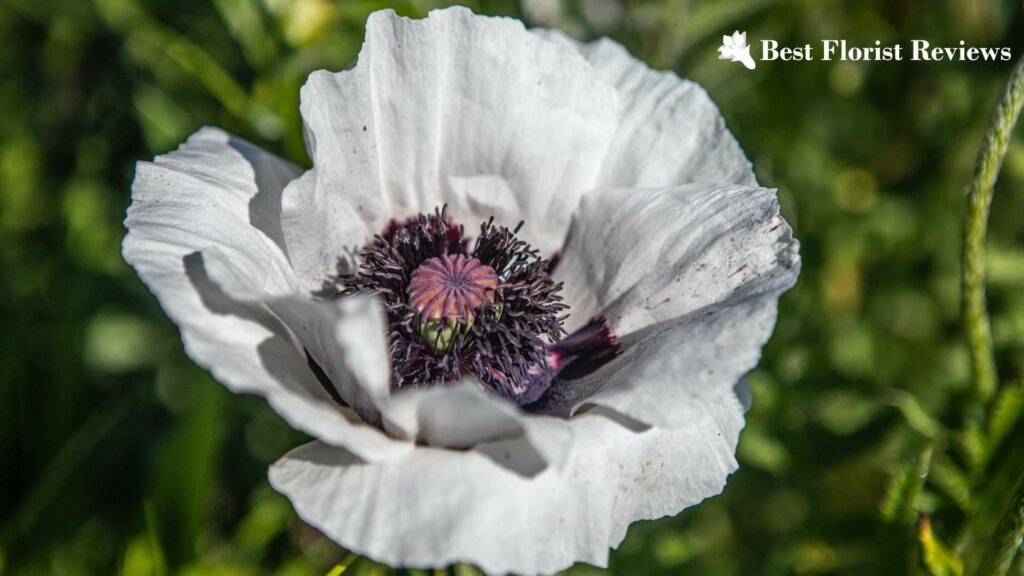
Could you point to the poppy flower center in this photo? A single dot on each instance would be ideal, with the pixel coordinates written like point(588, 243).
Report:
point(491, 311)
point(447, 291)
point(448, 288)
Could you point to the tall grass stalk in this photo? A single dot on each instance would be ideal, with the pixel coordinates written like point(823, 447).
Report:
point(980, 192)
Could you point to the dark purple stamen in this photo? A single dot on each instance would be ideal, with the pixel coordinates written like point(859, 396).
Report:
point(453, 232)
point(492, 312)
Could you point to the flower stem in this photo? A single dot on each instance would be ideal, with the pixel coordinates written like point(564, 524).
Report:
point(340, 567)
point(1007, 538)
point(990, 160)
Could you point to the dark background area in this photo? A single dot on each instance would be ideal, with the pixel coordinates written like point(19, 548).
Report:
point(120, 456)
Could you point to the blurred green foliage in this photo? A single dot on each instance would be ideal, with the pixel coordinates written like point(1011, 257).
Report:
point(121, 457)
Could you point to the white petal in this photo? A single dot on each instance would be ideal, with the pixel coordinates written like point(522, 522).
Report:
point(348, 340)
point(464, 415)
point(490, 195)
point(332, 211)
point(670, 132)
point(209, 195)
point(678, 373)
point(643, 257)
point(433, 506)
point(457, 416)
point(740, 40)
point(433, 103)
point(688, 277)
point(200, 236)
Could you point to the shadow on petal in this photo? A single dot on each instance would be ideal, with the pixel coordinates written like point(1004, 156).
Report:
point(279, 353)
point(333, 457)
point(517, 456)
point(631, 424)
point(270, 180)
point(742, 391)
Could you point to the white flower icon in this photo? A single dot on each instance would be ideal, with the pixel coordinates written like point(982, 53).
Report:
point(735, 48)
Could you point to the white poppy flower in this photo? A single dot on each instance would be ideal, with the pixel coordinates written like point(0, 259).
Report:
point(530, 450)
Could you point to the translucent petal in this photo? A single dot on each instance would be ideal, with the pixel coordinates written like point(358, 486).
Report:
point(476, 113)
point(200, 236)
